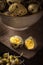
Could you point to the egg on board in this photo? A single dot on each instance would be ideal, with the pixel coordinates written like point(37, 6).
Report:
point(16, 41)
point(30, 43)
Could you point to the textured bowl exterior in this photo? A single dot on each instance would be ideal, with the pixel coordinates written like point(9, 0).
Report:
point(20, 22)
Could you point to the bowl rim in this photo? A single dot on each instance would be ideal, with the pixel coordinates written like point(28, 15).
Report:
point(22, 16)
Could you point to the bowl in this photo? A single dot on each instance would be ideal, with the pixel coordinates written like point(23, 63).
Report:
point(20, 23)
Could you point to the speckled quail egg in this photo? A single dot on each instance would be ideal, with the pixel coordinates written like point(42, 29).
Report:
point(2, 5)
point(17, 9)
point(30, 43)
point(13, 1)
point(33, 8)
point(16, 41)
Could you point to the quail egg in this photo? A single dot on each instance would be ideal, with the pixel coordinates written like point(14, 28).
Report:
point(33, 8)
point(13, 1)
point(17, 9)
point(16, 41)
point(2, 5)
point(30, 43)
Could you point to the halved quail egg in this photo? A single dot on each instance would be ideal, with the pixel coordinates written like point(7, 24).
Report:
point(17, 9)
point(33, 8)
point(30, 43)
point(16, 41)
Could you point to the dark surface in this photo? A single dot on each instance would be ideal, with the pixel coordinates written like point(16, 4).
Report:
point(36, 60)
point(35, 31)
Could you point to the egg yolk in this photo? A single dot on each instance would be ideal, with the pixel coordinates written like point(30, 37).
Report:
point(29, 43)
point(15, 40)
